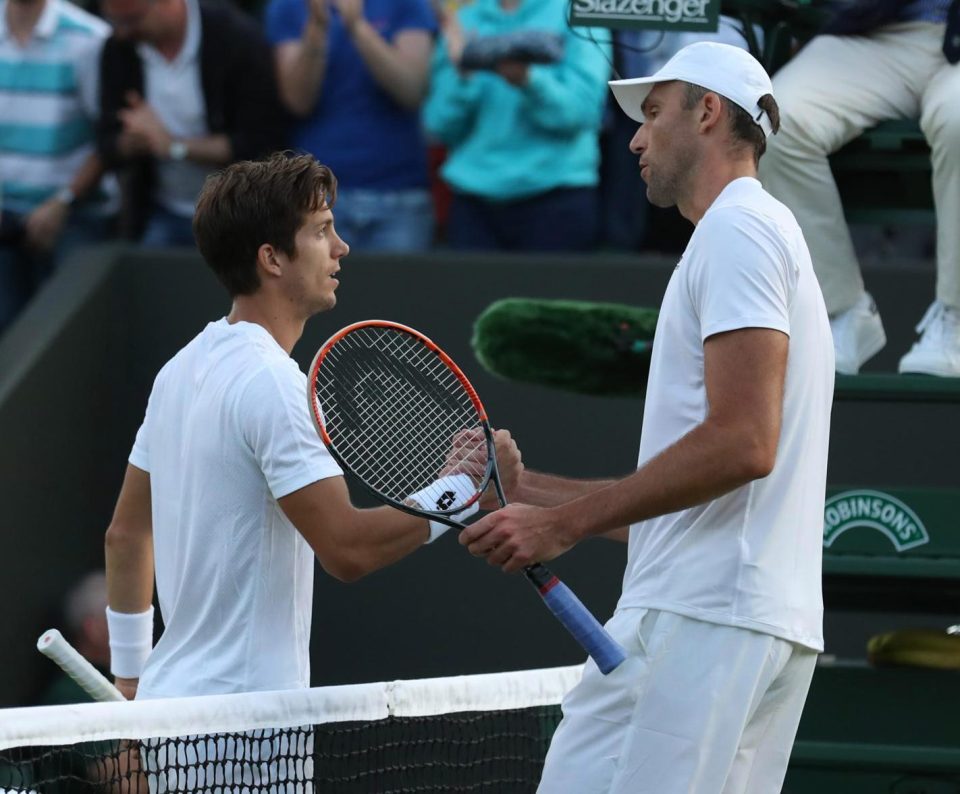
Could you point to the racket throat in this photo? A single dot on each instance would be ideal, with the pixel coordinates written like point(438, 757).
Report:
point(541, 578)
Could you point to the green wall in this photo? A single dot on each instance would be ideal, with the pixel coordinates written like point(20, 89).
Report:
point(76, 369)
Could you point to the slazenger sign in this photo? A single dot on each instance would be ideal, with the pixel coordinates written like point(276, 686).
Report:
point(876, 510)
point(702, 15)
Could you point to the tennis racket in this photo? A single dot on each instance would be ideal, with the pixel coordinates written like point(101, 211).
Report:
point(388, 403)
point(53, 645)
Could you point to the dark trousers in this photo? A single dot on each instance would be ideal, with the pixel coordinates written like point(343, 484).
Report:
point(565, 219)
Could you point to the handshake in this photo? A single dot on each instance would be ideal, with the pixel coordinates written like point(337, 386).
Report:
point(526, 46)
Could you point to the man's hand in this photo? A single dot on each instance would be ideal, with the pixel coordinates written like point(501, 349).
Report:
point(468, 455)
point(516, 536)
point(142, 124)
point(127, 686)
point(510, 466)
point(45, 224)
point(454, 37)
point(517, 73)
point(319, 13)
point(351, 12)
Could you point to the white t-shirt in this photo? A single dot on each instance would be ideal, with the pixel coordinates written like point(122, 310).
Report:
point(175, 91)
point(226, 434)
point(751, 558)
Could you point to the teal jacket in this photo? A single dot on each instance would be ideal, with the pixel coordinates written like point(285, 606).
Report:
point(506, 142)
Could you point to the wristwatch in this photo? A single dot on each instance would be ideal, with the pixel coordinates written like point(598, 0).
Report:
point(177, 151)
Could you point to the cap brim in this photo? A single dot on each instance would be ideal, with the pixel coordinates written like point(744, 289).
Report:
point(631, 93)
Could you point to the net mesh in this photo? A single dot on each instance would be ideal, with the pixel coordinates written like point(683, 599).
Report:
point(392, 409)
point(467, 734)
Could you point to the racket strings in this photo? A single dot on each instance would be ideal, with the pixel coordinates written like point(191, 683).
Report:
point(392, 409)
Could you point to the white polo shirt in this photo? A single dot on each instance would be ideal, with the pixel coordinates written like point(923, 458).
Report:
point(751, 558)
point(226, 434)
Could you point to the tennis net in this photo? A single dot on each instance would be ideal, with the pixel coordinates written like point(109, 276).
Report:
point(481, 733)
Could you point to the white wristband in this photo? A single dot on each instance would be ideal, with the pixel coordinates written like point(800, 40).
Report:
point(131, 640)
point(442, 494)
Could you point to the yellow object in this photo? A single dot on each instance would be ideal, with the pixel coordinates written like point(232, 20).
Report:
point(915, 648)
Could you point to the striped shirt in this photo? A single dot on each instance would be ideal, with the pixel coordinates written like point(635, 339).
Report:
point(48, 102)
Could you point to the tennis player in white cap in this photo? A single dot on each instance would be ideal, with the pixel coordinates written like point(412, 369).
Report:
point(721, 611)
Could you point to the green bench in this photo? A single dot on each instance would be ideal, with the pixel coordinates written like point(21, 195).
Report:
point(867, 731)
point(884, 175)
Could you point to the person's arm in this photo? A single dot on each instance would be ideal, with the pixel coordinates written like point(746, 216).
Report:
point(736, 443)
point(399, 67)
point(549, 490)
point(145, 133)
point(569, 96)
point(454, 95)
point(45, 224)
point(350, 542)
point(128, 549)
point(301, 63)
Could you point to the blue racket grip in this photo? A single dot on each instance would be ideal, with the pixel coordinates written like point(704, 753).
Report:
point(578, 620)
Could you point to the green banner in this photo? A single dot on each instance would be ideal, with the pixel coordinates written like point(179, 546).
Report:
point(701, 15)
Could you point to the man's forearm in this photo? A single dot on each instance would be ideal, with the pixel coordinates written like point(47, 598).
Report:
point(301, 69)
point(705, 464)
point(210, 150)
point(404, 81)
point(87, 176)
point(129, 567)
point(548, 490)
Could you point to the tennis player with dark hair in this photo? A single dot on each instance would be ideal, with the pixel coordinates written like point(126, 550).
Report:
point(721, 611)
point(229, 492)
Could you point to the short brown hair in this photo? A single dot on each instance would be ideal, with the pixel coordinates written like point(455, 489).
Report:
point(251, 203)
point(744, 127)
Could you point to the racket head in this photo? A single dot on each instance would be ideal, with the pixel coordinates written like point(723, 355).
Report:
point(389, 404)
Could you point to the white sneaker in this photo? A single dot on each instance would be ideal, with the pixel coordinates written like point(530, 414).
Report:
point(857, 335)
point(938, 350)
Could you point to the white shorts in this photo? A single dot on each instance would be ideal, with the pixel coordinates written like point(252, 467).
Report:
point(697, 708)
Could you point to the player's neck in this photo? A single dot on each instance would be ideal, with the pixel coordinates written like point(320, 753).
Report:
point(711, 181)
point(286, 329)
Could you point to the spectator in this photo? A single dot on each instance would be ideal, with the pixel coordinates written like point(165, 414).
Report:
point(522, 138)
point(876, 61)
point(85, 627)
point(187, 87)
point(49, 170)
point(355, 72)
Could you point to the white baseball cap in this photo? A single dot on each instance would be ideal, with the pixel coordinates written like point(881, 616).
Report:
point(727, 70)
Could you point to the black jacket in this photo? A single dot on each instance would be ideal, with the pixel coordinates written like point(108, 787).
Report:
point(239, 89)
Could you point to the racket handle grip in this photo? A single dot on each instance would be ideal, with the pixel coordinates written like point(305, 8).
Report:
point(577, 619)
point(53, 645)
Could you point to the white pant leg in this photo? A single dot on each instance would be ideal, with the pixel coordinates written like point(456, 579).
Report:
point(940, 121)
point(833, 90)
point(670, 720)
point(764, 752)
point(583, 752)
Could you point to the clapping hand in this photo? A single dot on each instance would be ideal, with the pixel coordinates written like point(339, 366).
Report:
point(351, 11)
point(514, 72)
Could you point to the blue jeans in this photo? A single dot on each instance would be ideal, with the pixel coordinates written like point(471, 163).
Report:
point(565, 219)
point(23, 270)
point(385, 220)
point(165, 229)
